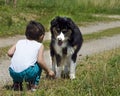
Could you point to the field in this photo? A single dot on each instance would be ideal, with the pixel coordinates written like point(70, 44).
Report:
point(97, 75)
point(13, 20)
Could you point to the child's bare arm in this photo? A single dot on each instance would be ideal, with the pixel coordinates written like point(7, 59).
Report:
point(42, 62)
point(11, 51)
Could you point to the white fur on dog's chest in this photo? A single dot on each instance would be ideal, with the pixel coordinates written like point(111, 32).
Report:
point(59, 49)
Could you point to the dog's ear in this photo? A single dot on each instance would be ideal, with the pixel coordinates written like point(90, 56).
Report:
point(70, 23)
point(54, 21)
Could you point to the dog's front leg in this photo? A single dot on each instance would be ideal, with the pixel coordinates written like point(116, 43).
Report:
point(54, 64)
point(72, 69)
point(66, 66)
point(59, 67)
point(58, 72)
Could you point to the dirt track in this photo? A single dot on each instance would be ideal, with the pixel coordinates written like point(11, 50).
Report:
point(85, 30)
point(106, 43)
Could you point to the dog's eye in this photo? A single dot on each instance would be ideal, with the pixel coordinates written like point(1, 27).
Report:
point(58, 29)
point(64, 31)
point(68, 33)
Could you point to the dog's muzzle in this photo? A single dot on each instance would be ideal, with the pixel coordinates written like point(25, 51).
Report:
point(60, 42)
point(60, 38)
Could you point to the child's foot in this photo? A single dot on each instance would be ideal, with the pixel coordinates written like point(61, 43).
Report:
point(17, 86)
point(34, 88)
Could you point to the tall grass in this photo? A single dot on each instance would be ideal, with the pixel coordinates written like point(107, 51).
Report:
point(97, 75)
point(14, 20)
point(71, 6)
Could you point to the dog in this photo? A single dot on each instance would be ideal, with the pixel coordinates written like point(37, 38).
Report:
point(66, 41)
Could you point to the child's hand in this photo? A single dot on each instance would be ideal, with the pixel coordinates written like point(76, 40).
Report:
point(51, 73)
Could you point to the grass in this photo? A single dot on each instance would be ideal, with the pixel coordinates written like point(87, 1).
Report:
point(97, 75)
point(3, 51)
point(14, 20)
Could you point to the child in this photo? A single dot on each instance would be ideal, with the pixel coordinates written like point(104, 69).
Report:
point(27, 57)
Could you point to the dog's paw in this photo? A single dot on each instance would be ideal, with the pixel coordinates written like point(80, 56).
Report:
point(72, 76)
point(65, 75)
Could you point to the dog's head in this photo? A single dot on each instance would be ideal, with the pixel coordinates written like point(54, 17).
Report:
point(61, 29)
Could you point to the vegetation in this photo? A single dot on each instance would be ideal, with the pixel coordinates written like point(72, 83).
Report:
point(14, 20)
point(3, 51)
point(97, 75)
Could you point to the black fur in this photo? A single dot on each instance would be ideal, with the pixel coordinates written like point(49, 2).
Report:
point(75, 38)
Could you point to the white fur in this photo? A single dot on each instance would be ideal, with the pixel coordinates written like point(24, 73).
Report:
point(70, 51)
point(72, 70)
point(67, 65)
point(54, 64)
point(61, 37)
point(58, 72)
point(59, 48)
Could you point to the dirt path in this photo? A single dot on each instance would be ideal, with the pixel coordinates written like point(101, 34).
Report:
point(85, 30)
point(88, 48)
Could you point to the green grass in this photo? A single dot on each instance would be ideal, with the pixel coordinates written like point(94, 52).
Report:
point(14, 20)
point(3, 51)
point(97, 75)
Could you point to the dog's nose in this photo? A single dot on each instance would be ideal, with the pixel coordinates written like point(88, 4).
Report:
point(59, 39)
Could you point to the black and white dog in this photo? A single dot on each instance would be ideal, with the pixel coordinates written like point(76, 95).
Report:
point(66, 41)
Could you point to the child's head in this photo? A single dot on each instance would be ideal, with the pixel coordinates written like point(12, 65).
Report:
point(34, 31)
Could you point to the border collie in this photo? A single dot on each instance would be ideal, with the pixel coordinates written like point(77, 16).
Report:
point(66, 41)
